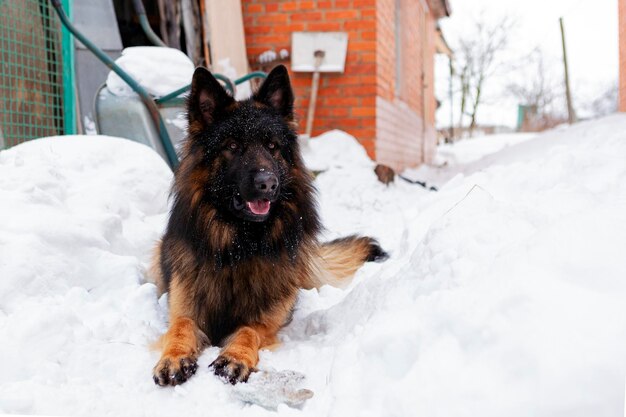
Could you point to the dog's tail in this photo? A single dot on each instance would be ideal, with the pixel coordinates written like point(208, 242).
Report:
point(338, 260)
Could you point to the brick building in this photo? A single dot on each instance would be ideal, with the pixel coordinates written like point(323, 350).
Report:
point(385, 97)
point(622, 55)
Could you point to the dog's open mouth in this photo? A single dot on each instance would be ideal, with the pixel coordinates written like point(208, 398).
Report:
point(258, 207)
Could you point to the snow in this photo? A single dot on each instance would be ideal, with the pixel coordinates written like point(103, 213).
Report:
point(273, 389)
point(89, 125)
point(270, 55)
point(460, 156)
point(504, 294)
point(159, 70)
point(471, 150)
point(180, 121)
point(334, 149)
point(267, 56)
point(243, 90)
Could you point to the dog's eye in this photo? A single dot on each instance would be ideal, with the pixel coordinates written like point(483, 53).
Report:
point(233, 146)
point(271, 145)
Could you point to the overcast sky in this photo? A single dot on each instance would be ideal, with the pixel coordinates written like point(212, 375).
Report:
point(592, 45)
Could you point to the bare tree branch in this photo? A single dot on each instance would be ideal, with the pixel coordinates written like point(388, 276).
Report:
point(538, 93)
point(477, 57)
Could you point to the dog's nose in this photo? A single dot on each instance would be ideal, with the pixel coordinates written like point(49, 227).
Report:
point(265, 181)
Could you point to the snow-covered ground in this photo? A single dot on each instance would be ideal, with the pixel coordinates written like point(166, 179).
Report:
point(505, 293)
point(461, 156)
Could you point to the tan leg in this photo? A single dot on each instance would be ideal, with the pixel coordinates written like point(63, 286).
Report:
point(240, 354)
point(182, 344)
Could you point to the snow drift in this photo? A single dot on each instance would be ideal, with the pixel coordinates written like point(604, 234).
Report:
point(504, 294)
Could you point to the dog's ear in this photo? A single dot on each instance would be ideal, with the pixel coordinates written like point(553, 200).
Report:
point(207, 99)
point(276, 92)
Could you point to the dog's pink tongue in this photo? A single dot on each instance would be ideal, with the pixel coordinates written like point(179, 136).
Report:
point(259, 206)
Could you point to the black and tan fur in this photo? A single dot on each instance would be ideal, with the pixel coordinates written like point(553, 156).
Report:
point(233, 276)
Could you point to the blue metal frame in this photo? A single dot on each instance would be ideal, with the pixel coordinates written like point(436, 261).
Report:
point(69, 98)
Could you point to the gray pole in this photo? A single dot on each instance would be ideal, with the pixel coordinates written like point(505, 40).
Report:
point(451, 92)
point(571, 116)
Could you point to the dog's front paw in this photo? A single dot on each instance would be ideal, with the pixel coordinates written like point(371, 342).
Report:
point(174, 370)
point(231, 369)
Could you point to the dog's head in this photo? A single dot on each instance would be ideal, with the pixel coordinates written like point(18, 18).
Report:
point(248, 149)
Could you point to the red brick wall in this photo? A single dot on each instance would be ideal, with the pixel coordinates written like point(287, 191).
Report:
point(385, 48)
point(363, 101)
point(402, 138)
point(622, 55)
point(345, 101)
point(430, 102)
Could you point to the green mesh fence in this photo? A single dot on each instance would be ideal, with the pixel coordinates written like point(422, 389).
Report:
point(31, 73)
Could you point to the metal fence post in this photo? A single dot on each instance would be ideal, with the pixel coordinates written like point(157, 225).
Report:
point(69, 94)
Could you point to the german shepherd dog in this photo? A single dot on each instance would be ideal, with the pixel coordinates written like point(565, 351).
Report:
point(242, 233)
